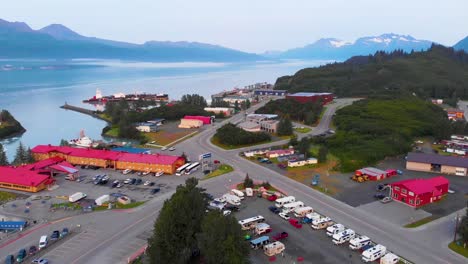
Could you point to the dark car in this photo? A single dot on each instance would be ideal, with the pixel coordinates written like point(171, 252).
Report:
point(55, 235)
point(381, 186)
point(64, 232)
point(114, 184)
point(268, 162)
point(117, 195)
point(379, 196)
point(282, 166)
point(280, 236)
point(133, 181)
point(155, 190)
point(138, 181)
point(151, 184)
point(231, 207)
point(21, 255)
point(274, 209)
point(32, 250)
point(10, 259)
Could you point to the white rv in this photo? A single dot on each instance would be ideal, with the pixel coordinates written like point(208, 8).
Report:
point(321, 223)
point(262, 228)
point(76, 197)
point(313, 216)
point(359, 242)
point(285, 200)
point(335, 229)
point(343, 236)
point(249, 192)
point(102, 199)
point(273, 248)
point(232, 199)
point(374, 253)
point(288, 208)
point(389, 258)
point(240, 194)
point(302, 211)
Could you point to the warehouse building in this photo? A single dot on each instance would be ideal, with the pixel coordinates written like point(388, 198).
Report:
point(375, 174)
point(437, 163)
point(419, 192)
point(110, 159)
point(311, 97)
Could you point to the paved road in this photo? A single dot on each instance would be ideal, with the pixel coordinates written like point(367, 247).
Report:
point(110, 237)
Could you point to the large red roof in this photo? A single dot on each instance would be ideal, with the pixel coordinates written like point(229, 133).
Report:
point(421, 186)
point(21, 176)
point(43, 163)
point(108, 154)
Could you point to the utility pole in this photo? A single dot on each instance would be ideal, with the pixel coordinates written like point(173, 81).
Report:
point(456, 228)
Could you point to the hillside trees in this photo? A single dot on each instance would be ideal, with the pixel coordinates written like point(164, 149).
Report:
point(230, 134)
point(285, 127)
point(307, 113)
point(3, 157)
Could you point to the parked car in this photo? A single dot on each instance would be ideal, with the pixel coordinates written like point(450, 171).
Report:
point(231, 207)
point(132, 181)
point(284, 216)
point(146, 173)
point(127, 171)
point(379, 196)
point(216, 162)
point(10, 259)
point(282, 166)
point(119, 185)
point(21, 255)
point(151, 184)
point(155, 190)
point(268, 162)
point(171, 149)
point(55, 235)
point(158, 174)
point(64, 232)
point(272, 198)
point(138, 181)
point(41, 261)
point(226, 212)
point(140, 173)
point(386, 200)
point(164, 148)
point(274, 209)
point(399, 172)
point(147, 183)
point(114, 184)
point(32, 250)
point(295, 223)
point(381, 186)
point(117, 195)
point(127, 181)
point(280, 236)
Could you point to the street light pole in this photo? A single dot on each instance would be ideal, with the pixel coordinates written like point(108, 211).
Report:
point(456, 228)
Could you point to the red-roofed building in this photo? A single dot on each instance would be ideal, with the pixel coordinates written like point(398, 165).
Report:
point(23, 179)
point(110, 159)
point(419, 192)
point(205, 119)
point(279, 153)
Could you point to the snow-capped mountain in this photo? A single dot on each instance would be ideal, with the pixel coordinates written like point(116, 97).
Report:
point(337, 49)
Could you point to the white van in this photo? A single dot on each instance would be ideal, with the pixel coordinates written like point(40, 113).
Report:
point(43, 242)
point(285, 200)
point(240, 194)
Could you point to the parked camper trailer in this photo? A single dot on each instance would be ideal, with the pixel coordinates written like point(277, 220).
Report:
point(308, 218)
point(259, 242)
point(273, 248)
point(285, 200)
point(389, 258)
point(359, 242)
point(76, 197)
point(343, 236)
point(335, 229)
point(262, 228)
point(250, 223)
point(321, 223)
point(102, 199)
point(232, 199)
point(374, 253)
point(302, 211)
point(240, 194)
point(288, 208)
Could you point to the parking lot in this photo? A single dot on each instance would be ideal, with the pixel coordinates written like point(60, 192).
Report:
point(314, 246)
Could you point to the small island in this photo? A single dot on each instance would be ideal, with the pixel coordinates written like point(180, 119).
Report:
point(9, 126)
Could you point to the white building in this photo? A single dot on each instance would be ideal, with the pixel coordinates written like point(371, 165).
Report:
point(300, 163)
point(146, 127)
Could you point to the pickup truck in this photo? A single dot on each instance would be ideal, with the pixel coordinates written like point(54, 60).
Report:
point(295, 223)
point(280, 236)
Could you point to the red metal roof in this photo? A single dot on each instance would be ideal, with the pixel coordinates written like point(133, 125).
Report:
point(421, 186)
point(43, 163)
point(21, 176)
point(108, 155)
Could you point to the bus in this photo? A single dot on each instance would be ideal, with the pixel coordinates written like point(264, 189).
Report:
point(181, 169)
point(193, 167)
point(250, 223)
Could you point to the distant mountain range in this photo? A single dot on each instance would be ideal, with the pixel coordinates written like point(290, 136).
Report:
point(18, 40)
point(336, 49)
point(462, 45)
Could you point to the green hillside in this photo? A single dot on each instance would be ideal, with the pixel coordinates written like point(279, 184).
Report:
point(9, 126)
point(440, 72)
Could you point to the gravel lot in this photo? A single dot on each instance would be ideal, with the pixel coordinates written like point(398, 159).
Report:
point(312, 245)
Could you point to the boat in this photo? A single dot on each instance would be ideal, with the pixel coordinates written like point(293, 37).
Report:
point(83, 141)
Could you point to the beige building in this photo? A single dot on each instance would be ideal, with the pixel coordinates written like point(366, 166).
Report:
point(218, 110)
point(190, 123)
point(437, 163)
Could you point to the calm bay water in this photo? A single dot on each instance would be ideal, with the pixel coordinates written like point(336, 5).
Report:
point(33, 90)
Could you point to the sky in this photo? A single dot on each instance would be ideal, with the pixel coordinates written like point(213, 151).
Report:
point(248, 25)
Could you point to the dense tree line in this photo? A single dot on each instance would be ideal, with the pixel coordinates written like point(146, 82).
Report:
point(463, 229)
point(370, 130)
point(23, 155)
point(232, 135)
point(185, 233)
point(307, 113)
point(439, 72)
point(193, 99)
point(285, 127)
point(9, 125)
point(3, 157)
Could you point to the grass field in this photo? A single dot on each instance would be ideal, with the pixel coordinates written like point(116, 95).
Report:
point(164, 138)
point(420, 222)
point(6, 196)
point(216, 142)
point(459, 249)
point(128, 206)
point(302, 129)
point(113, 132)
point(222, 169)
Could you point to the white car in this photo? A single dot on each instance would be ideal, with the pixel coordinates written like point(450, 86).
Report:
point(147, 183)
point(171, 149)
point(284, 216)
point(119, 185)
point(127, 181)
point(127, 171)
point(163, 148)
point(146, 173)
point(226, 212)
point(159, 173)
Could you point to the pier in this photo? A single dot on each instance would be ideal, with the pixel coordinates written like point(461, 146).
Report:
point(83, 111)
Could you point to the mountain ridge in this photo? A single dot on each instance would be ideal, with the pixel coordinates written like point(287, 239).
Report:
point(462, 44)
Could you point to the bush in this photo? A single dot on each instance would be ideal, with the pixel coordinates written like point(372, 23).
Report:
point(230, 134)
